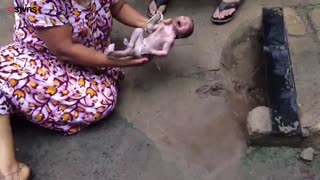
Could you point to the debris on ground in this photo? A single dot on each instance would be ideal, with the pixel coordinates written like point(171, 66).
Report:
point(214, 90)
point(307, 154)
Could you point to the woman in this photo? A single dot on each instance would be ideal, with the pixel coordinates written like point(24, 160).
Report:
point(56, 73)
point(224, 13)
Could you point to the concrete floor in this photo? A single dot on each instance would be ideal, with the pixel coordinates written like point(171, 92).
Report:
point(166, 126)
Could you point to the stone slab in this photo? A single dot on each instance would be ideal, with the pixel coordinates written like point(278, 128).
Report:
point(294, 23)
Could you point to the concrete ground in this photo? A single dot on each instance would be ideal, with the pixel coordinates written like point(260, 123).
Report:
point(185, 122)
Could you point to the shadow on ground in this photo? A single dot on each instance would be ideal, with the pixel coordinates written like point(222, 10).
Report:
point(110, 150)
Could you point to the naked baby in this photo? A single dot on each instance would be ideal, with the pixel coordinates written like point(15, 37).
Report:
point(159, 42)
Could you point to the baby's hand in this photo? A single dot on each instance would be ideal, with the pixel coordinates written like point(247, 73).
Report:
point(167, 21)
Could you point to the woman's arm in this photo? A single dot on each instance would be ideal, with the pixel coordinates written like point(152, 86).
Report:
point(127, 15)
point(63, 47)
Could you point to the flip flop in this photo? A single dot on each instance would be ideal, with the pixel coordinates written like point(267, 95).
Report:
point(158, 4)
point(225, 6)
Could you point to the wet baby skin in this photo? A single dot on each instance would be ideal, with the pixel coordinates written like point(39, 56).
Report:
point(158, 43)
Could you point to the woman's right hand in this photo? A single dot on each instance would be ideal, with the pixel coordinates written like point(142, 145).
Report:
point(66, 50)
point(129, 62)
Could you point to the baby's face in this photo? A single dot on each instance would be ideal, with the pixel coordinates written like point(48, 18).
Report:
point(182, 24)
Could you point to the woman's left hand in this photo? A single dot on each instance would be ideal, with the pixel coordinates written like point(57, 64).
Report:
point(151, 28)
point(128, 15)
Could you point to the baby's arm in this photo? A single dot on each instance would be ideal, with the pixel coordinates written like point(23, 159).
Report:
point(165, 50)
point(153, 28)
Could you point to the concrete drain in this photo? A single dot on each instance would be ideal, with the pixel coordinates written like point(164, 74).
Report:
point(258, 102)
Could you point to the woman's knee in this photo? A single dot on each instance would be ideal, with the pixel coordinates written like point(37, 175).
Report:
point(103, 112)
point(103, 108)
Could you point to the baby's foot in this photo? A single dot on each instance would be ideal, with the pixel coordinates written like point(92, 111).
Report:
point(130, 51)
point(125, 42)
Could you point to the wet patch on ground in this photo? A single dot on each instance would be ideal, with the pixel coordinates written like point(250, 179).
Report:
point(243, 70)
point(278, 163)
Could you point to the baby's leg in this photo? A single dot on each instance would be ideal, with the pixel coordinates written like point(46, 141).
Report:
point(136, 35)
point(137, 50)
point(122, 53)
point(135, 39)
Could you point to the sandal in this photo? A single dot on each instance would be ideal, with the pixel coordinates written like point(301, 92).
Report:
point(225, 6)
point(159, 3)
point(17, 172)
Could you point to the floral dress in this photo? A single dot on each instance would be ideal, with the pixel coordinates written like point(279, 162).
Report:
point(52, 93)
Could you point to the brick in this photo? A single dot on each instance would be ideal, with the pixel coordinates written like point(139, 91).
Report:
point(259, 122)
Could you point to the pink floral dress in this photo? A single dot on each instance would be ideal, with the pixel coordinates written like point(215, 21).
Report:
point(55, 94)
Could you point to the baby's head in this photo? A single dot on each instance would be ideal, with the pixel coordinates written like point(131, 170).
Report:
point(183, 26)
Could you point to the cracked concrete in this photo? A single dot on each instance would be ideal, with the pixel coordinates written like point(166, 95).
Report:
point(314, 15)
point(162, 128)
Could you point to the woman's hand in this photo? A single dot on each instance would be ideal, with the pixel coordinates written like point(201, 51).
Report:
point(66, 50)
point(128, 62)
point(151, 28)
point(127, 15)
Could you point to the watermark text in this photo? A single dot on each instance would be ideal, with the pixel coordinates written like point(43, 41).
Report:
point(22, 9)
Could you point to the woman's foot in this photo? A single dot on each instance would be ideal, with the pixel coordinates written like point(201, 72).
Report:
point(157, 5)
point(18, 171)
point(225, 11)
